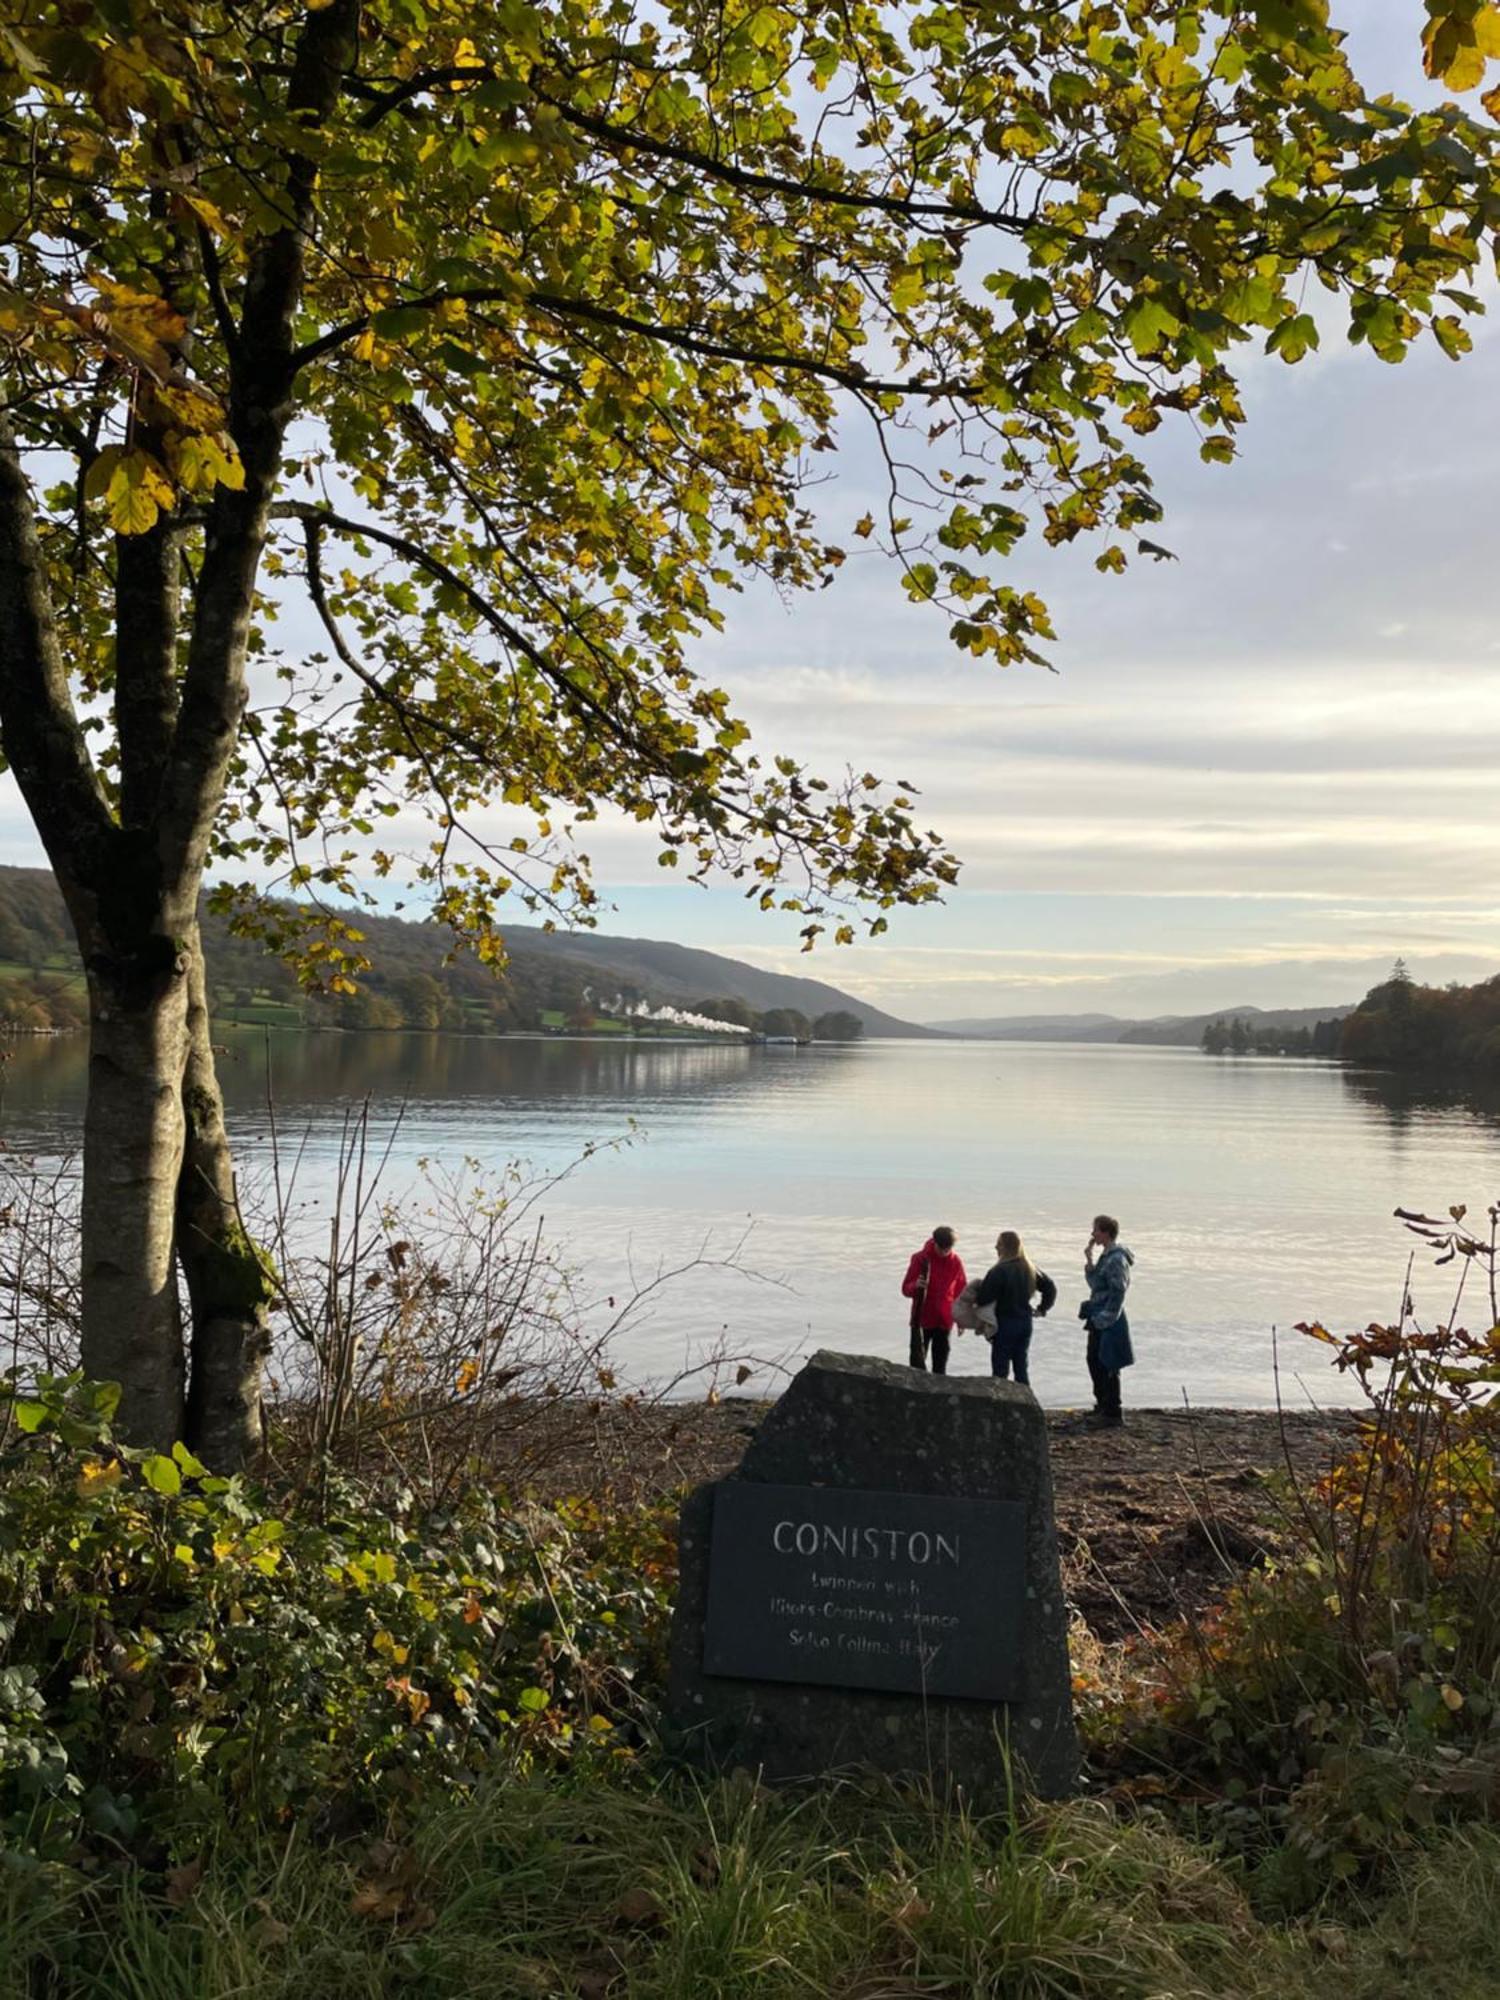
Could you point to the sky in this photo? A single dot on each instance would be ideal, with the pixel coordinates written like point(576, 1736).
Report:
point(1255, 775)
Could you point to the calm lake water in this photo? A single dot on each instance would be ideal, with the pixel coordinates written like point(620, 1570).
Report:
point(1255, 1193)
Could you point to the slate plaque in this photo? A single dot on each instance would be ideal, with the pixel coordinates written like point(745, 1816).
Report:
point(859, 1443)
point(913, 1593)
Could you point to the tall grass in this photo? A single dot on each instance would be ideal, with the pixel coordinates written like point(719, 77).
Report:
point(725, 1892)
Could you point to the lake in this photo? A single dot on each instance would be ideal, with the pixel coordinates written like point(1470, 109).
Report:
point(1255, 1193)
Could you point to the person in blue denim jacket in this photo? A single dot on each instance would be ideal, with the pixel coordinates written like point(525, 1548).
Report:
point(1103, 1313)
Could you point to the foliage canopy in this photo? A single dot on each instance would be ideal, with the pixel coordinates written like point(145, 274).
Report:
point(509, 336)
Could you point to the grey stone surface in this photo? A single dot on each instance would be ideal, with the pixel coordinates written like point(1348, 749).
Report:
point(880, 1427)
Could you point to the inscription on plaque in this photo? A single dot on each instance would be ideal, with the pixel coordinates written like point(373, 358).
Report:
point(910, 1592)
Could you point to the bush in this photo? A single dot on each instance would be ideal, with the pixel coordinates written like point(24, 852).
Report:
point(1345, 1699)
point(173, 1646)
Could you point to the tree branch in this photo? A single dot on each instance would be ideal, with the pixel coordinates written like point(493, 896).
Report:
point(148, 596)
point(846, 375)
point(260, 404)
point(751, 181)
point(39, 731)
point(507, 632)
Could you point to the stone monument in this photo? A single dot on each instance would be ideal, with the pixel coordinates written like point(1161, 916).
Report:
point(878, 1587)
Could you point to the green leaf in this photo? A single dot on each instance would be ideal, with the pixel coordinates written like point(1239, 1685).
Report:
point(398, 322)
point(185, 1461)
point(1293, 336)
point(29, 1416)
point(1148, 324)
point(161, 1474)
point(533, 1700)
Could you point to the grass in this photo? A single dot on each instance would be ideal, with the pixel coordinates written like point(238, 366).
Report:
point(262, 1011)
point(723, 1892)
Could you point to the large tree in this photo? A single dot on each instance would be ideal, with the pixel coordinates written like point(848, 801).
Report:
point(504, 338)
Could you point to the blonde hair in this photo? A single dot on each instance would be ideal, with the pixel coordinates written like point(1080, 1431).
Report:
point(1011, 1250)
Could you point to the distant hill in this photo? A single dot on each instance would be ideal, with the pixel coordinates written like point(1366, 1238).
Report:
point(1162, 1031)
point(1172, 1030)
point(682, 974)
point(1039, 1028)
point(554, 980)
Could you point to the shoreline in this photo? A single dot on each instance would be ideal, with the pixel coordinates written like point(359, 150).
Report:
point(1154, 1521)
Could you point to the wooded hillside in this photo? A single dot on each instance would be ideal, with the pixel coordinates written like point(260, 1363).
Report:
point(555, 981)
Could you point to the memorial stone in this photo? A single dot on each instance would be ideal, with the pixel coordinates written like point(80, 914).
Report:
point(878, 1587)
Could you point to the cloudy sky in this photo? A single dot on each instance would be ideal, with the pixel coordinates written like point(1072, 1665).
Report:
point(1257, 773)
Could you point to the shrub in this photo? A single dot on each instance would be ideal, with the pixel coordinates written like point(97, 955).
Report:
point(172, 1645)
point(1347, 1697)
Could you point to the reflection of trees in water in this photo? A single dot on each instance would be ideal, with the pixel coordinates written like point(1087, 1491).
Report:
point(1403, 1096)
point(42, 1079)
point(317, 1069)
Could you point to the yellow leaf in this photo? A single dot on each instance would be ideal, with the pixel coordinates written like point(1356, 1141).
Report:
point(138, 491)
point(1452, 1699)
point(204, 461)
point(102, 471)
point(97, 1474)
point(865, 527)
point(213, 219)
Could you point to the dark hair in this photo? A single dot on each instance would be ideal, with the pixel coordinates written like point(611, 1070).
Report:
point(942, 1236)
point(1107, 1226)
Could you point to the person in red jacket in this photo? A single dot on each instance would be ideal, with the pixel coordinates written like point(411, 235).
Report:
point(934, 1278)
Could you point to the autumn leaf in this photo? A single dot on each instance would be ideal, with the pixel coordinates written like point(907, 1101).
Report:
point(182, 1882)
point(638, 1909)
point(134, 487)
point(96, 1475)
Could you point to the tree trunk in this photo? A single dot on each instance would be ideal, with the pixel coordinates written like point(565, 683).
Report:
point(132, 1159)
point(229, 1281)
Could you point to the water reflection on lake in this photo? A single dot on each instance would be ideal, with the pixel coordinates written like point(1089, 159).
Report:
point(1254, 1192)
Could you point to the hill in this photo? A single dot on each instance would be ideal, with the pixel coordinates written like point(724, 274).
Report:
point(1038, 1028)
point(553, 981)
point(682, 974)
point(1161, 1031)
point(1176, 1030)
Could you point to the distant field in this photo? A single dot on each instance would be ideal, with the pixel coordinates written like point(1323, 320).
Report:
point(261, 1012)
point(47, 968)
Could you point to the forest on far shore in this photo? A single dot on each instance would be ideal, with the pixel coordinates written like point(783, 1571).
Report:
point(1398, 1025)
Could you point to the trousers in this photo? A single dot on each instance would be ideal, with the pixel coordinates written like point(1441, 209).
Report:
point(1106, 1381)
point(934, 1341)
point(1010, 1348)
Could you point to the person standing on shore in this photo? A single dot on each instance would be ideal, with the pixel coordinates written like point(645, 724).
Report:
point(934, 1278)
point(1107, 1266)
point(1009, 1286)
